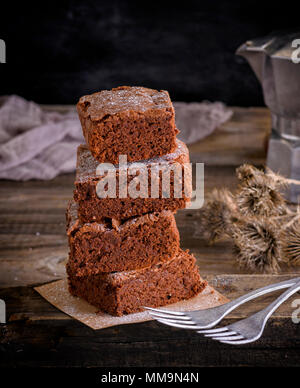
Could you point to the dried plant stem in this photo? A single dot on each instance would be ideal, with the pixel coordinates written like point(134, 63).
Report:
point(281, 179)
point(292, 221)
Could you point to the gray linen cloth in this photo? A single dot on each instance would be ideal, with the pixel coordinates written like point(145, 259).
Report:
point(39, 144)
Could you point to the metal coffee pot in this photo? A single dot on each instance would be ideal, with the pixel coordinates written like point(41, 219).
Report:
point(275, 60)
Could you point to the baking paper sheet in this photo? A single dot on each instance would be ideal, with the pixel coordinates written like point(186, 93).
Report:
point(58, 295)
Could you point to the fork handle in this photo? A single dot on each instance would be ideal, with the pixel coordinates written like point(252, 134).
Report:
point(259, 292)
point(277, 302)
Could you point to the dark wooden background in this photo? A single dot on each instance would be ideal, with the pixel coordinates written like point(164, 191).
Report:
point(58, 51)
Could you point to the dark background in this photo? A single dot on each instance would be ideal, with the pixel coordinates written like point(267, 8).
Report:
point(58, 51)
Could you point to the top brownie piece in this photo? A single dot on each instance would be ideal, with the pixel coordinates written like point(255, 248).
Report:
point(133, 121)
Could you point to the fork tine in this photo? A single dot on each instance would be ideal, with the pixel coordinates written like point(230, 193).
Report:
point(230, 338)
point(212, 330)
point(221, 334)
point(162, 315)
point(164, 311)
point(238, 342)
point(165, 322)
point(187, 323)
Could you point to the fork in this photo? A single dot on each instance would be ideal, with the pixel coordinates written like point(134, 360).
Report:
point(249, 329)
point(205, 319)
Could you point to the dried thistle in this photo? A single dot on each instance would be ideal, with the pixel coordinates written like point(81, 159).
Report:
point(247, 173)
point(260, 198)
point(258, 193)
point(218, 214)
point(253, 217)
point(256, 245)
point(290, 243)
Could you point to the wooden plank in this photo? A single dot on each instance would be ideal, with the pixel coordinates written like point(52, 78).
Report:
point(32, 266)
point(21, 241)
point(241, 139)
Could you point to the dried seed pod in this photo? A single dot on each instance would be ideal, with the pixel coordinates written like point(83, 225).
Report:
point(260, 198)
point(218, 215)
point(246, 173)
point(256, 245)
point(290, 244)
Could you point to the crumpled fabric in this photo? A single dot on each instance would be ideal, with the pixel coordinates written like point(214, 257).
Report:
point(40, 144)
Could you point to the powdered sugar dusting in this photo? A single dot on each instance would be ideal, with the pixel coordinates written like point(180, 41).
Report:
point(123, 99)
point(57, 294)
point(87, 165)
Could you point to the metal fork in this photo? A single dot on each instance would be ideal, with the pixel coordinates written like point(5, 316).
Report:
point(249, 329)
point(205, 319)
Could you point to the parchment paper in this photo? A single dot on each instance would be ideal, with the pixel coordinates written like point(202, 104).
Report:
point(57, 294)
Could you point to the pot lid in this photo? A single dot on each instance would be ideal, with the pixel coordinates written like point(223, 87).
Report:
point(277, 44)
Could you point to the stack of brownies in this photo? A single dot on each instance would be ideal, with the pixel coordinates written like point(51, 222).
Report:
point(124, 251)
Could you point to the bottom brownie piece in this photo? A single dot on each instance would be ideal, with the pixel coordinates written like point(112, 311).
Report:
point(120, 293)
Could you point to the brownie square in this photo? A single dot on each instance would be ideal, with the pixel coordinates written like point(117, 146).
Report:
point(133, 121)
point(122, 293)
point(114, 246)
point(92, 208)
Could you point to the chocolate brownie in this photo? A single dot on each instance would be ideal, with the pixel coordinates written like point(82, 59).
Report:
point(120, 293)
point(93, 208)
point(114, 246)
point(133, 121)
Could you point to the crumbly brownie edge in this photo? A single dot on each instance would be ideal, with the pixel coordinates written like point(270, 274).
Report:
point(97, 210)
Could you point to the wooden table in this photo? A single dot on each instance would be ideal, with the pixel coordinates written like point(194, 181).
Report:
point(34, 251)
